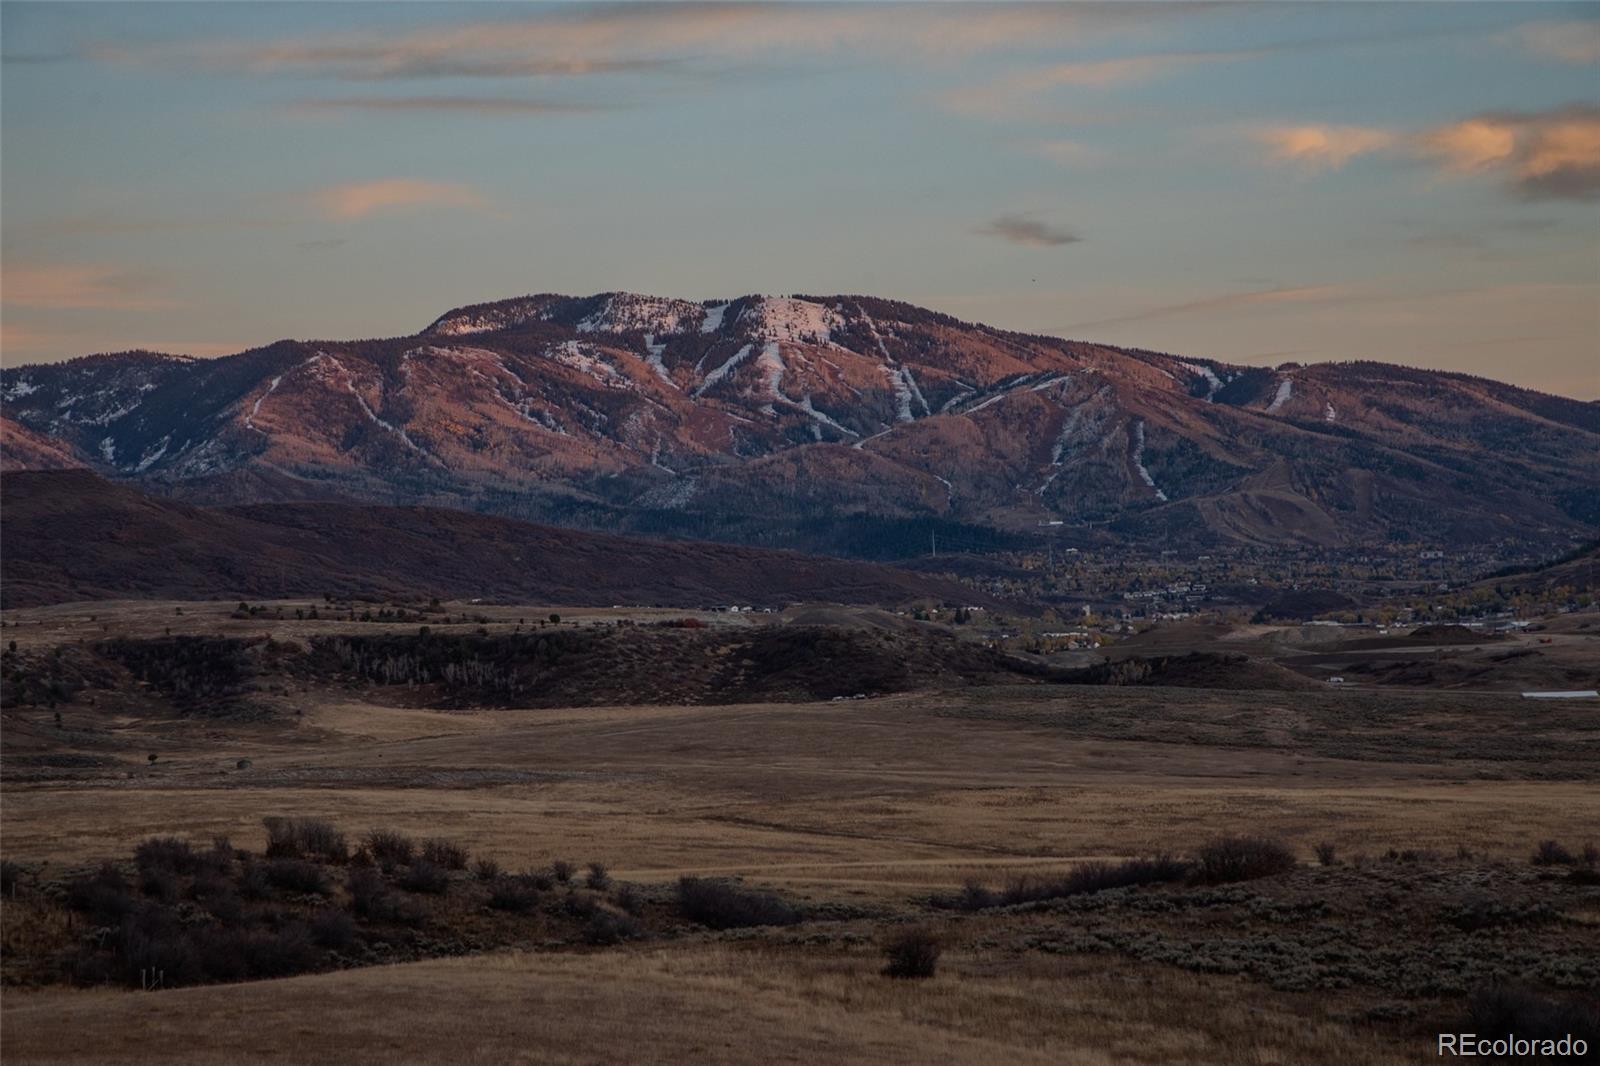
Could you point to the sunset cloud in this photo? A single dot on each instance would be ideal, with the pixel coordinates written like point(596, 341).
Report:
point(79, 288)
point(1541, 155)
point(359, 199)
point(1548, 155)
point(1322, 147)
point(1020, 229)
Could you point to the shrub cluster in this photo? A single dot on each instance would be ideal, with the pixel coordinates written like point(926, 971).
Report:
point(1085, 878)
point(722, 905)
point(1241, 858)
point(301, 838)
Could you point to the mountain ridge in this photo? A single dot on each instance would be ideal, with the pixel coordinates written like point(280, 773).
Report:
point(725, 418)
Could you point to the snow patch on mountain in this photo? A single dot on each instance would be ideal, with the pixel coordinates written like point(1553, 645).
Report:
point(571, 354)
point(1285, 390)
point(1138, 460)
point(770, 363)
point(653, 358)
point(712, 322)
point(255, 408)
point(781, 318)
point(724, 370)
point(1328, 413)
point(1213, 383)
point(149, 458)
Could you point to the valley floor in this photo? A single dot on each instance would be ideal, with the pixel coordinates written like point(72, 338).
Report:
point(866, 804)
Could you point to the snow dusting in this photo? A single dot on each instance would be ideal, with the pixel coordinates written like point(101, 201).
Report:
point(626, 312)
point(1328, 413)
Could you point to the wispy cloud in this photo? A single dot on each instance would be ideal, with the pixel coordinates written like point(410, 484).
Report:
point(356, 200)
point(451, 105)
point(1226, 302)
point(614, 38)
point(1020, 229)
point(1322, 147)
point(1572, 42)
point(80, 288)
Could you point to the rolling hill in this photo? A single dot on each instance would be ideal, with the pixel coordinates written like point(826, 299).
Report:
point(70, 535)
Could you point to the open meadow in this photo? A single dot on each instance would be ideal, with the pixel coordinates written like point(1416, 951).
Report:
point(957, 809)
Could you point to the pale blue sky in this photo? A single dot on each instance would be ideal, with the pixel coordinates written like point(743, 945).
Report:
point(1416, 182)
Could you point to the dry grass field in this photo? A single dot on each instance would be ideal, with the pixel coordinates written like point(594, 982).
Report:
point(868, 804)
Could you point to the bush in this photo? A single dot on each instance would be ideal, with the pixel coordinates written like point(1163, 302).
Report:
point(1327, 854)
point(10, 874)
point(444, 853)
point(721, 905)
point(168, 854)
point(294, 838)
point(296, 875)
point(1229, 859)
point(159, 884)
point(607, 927)
point(105, 895)
point(333, 929)
point(629, 900)
point(366, 887)
point(424, 876)
point(1550, 853)
point(597, 878)
point(514, 894)
point(1498, 1009)
point(389, 847)
point(486, 869)
point(253, 883)
point(562, 870)
point(912, 953)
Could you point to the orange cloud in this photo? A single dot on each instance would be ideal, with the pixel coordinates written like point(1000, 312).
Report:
point(1542, 155)
point(1323, 147)
point(358, 199)
point(78, 288)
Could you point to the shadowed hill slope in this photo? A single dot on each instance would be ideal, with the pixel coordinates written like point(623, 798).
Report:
point(69, 535)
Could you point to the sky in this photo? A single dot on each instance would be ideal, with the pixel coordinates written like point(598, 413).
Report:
point(1416, 183)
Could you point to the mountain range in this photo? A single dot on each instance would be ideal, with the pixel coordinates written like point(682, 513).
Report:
point(784, 420)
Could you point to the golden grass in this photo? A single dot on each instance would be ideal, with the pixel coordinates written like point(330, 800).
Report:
point(706, 1003)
